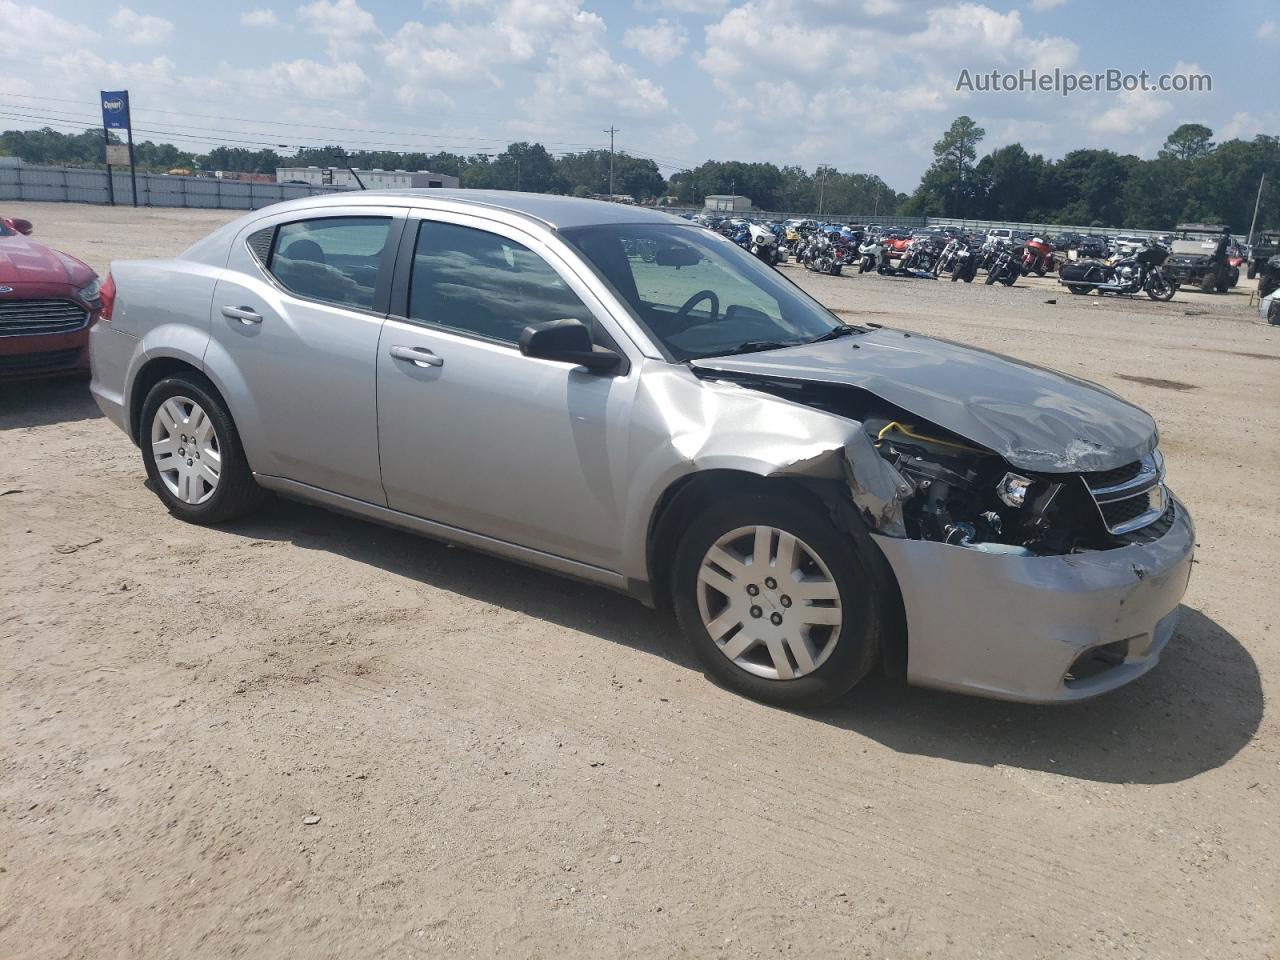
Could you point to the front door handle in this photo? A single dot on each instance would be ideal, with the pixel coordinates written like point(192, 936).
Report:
point(419, 356)
point(243, 314)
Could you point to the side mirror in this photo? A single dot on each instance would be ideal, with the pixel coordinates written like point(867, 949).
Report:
point(24, 227)
point(568, 341)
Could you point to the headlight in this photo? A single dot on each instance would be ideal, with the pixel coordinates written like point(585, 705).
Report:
point(92, 292)
point(1012, 489)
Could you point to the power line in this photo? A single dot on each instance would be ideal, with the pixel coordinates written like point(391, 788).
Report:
point(661, 160)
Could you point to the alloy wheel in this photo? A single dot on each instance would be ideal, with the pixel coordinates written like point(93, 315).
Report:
point(186, 450)
point(769, 602)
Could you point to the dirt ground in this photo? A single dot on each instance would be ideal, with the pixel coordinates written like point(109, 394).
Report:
point(506, 763)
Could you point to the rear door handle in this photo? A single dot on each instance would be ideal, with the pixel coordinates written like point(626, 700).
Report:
point(243, 314)
point(419, 356)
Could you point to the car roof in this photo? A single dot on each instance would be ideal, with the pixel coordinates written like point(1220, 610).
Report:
point(554, 211)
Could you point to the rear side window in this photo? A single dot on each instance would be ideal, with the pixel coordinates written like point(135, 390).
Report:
point(477, 282)
point(335, 259)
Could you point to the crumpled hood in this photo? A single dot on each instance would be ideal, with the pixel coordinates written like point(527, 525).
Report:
point(25, 261)
point(1035, 418)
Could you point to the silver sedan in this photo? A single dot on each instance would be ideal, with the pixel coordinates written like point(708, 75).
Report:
point(632, 400)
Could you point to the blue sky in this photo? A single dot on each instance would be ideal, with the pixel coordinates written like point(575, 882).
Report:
point(865, 85)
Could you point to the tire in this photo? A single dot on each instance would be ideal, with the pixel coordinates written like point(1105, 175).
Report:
point(235, 493)
point(1208, 283)
point(1273, 313)
point(991, 277)
point(1041, 271)
point(1253, 271)
point(1234, 279)
point(1160, 290)
point(1079, 289)
point(856, 572)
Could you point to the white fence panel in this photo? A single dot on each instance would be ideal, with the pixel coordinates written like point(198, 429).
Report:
point(25, 181)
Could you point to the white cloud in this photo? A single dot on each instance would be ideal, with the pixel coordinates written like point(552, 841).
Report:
point(1132, 111)
point(660, 42)
point(344, 24)
point(306, 80)
point(551, 53)
point(1268, 30)
point(259, 18)
point(33, 29)
point(704, 8)
point(1046, 4)
point(141, 29)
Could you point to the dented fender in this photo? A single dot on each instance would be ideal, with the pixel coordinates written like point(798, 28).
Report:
point(684, 425)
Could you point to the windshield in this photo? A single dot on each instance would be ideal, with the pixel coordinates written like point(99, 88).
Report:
point(697, 293)
point(1192, 246)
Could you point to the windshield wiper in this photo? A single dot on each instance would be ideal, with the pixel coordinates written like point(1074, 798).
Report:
point(755, 346)
point(836, 333)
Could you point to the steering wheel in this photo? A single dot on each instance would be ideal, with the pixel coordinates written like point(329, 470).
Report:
point(683, 312)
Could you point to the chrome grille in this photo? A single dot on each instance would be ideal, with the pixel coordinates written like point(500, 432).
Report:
point(1129, 497)
point(22, 317)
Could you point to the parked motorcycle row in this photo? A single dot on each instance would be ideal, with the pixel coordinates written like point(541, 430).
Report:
point(1001, 256)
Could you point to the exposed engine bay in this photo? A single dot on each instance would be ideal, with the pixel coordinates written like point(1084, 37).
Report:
point(958, 492)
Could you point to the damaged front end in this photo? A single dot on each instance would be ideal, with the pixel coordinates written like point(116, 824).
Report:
point(942, 487)
point(1039, 585)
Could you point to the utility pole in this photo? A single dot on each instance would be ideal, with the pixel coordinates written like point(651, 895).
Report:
point(822, 183)
point(1254, 222)
point(611, 131)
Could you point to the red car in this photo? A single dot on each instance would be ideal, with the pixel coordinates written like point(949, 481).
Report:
point(48, 301)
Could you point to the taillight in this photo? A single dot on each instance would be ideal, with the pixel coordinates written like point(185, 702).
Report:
point(107, 297)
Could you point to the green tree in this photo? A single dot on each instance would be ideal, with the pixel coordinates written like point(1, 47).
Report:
point(950, 178)
point(1009, 184)
point(1191, 141)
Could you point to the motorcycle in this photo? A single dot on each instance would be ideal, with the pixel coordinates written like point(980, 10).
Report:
point(762, 243)
point(957, 259)
point(871, 256)
point(1038, 258)
point(820, 256)
point(1128, 276)
point(1005, 267)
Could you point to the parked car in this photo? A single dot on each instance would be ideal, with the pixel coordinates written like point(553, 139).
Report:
point(812, 498)
point(48, 300)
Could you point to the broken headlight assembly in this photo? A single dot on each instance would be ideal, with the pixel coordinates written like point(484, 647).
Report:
point(965, 495)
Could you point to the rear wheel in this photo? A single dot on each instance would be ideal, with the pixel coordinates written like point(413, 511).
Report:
point(1208, 283)
point(778, 604)
point(1079, 289)
point(192, 452)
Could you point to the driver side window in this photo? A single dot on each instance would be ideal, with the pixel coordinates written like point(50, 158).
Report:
point(479, 283)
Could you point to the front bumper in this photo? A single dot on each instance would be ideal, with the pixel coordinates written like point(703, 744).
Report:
point(1012, 627)
point(44, 355)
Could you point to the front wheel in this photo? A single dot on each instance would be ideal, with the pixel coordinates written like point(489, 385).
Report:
point(192, 452)
point(1158, 288)
point(777, 603)
point(1079, 289)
